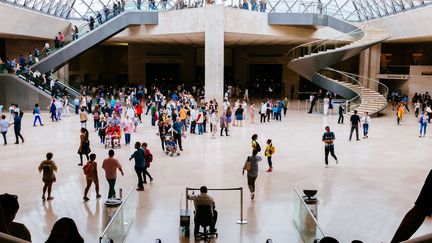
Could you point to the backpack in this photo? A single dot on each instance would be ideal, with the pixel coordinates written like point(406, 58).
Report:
point(47, 170)
point(272, 150)
point(21, 113)
point(258, 147)
point(149, 158)
point(88, 169)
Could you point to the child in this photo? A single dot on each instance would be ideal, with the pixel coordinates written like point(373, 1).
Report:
point(270, 150)
point(172, 145)
point(37, 115)
point(83, 118)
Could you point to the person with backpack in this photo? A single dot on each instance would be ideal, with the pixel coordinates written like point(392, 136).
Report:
point(148, 160)
point(270, 150)
point(90, 171)
point(255, 144)
point(251, 166)
point(140, 165)
point(48, 167)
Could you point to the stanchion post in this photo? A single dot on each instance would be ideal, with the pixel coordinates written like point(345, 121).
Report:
point(187, 200)
point(241, 220)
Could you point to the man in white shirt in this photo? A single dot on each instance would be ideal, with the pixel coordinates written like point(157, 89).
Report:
point(193, 117)
point(4, 126)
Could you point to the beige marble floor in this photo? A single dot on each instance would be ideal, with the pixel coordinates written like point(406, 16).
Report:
point(364, 197)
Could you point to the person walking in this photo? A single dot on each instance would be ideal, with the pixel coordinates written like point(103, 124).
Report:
point(37, 115)
point(355, 121)
point(341, 116)
point(399, 114)
point(366, 120)
point(423, 121)
point(91, 173)
point(251, 166)
point(252, 113)
point(53, 109)
point(238, 116)
point(328, 139)
point(178, 132)
point(111, 165)
point(17, 127)
point(213, 123)
point(326, 103)
point(84, 148)
point(102, 125)
point(4, 126)
point(270, 150)
point(128, 127)
point(48, 167)
point(263, 112)
point(223, 124)
point(83, 118)
point(140, 165)
point(148, 159)
point(285, 104)
point(66, 111)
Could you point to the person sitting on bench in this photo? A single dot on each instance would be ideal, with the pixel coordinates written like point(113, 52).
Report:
point(204, 199)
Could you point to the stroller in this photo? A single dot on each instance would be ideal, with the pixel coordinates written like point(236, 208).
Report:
point(171, 145)
point(112, 138)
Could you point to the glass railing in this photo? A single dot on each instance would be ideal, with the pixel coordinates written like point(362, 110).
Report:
point(306, 223)
point(58, 92)
point(120, 224)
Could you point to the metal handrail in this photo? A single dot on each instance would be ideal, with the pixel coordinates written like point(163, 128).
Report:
point(338, 40)
point(384, 94)
point(349, 77)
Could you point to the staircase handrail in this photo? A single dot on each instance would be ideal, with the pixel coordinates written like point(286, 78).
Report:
point(357, 34)
point(386, 88)
point(379, 84)
point(70, 88)
point(321, 42)
point(358, 83)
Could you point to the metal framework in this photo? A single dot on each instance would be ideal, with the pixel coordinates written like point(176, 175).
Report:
point(350, 10)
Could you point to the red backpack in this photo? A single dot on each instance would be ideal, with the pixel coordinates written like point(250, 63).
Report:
point(88, 169)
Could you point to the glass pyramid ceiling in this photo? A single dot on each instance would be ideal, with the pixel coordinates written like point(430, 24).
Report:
point(350, 10)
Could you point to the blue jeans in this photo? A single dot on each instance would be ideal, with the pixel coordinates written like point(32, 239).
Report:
point(77, 109)
point(254, 6)
point(111, 192)
point(423, 127)
point(37, 118)
point(127, 138)
point(262, 7)
point(365, 129)
point(200, 129)
point(4, 137)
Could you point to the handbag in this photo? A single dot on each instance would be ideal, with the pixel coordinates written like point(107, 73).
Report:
point(248, 165)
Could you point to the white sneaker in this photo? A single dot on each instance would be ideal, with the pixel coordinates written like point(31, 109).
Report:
point(326, 166)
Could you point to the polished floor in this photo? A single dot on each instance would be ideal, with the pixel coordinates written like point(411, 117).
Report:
point(364, 197)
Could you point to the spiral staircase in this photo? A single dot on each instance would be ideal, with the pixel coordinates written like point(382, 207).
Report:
point(313, 60)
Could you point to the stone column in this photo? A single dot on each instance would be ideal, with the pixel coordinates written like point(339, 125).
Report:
point(370, 65)
point(214, 52)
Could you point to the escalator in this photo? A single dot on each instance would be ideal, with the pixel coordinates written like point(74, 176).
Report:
point(59, 57)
